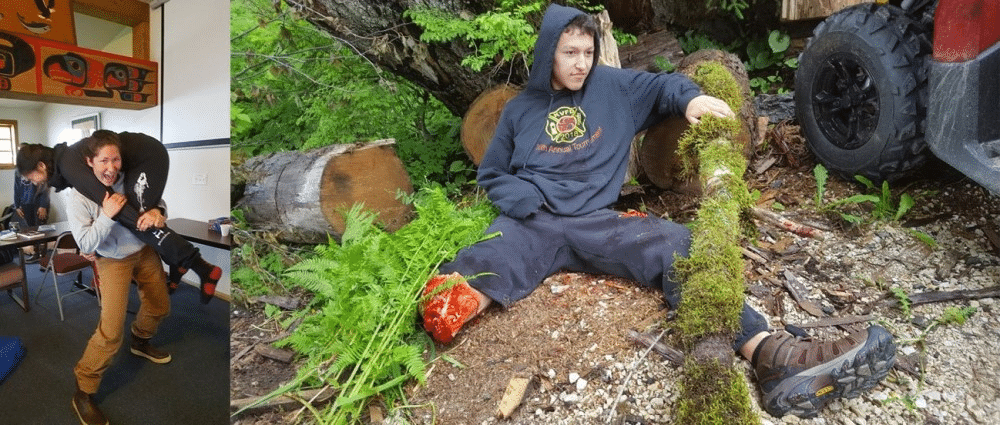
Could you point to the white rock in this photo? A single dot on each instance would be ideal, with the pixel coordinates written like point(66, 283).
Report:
point(573, 376)
point(569, 398)
point(581, 384)
point(552, 374)
point(558, 289)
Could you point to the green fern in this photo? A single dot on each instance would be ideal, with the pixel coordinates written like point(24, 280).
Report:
point(359, 335)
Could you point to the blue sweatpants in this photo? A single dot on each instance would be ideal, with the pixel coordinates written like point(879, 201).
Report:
point(602, 242)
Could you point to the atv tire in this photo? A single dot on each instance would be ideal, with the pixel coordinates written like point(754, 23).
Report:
point(861, 90)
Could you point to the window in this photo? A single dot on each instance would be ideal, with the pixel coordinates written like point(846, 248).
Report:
point(8, 143)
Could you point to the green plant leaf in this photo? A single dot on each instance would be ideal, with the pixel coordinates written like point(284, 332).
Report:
point(778, 41)
point(905, 203)
point(820, 173)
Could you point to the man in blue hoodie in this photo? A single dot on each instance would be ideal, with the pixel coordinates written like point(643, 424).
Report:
point(556, 164)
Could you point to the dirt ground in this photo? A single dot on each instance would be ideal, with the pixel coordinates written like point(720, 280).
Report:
point(574, 321)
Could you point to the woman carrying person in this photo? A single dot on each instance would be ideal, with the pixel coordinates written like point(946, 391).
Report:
point(145, 164)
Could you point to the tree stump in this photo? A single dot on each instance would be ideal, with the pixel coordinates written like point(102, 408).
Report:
point(658, 153)
point(303, 196)
point(480, 122)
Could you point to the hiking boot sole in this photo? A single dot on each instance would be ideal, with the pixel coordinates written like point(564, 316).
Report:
point(848, 376)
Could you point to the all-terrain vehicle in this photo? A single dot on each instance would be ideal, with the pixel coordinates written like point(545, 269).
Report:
point(879, 84)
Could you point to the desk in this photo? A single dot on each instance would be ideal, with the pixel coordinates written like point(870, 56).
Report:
point(197, 231)
point(51, 235)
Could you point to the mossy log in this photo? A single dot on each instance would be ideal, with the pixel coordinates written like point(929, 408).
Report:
point(302, 196)
point(658, 153)
point(712, 293)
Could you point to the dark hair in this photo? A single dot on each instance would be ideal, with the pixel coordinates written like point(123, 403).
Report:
point(30, 154)
point(584, 23)
point(101, 138)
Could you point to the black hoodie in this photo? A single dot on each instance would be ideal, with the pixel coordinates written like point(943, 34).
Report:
point(569, 149)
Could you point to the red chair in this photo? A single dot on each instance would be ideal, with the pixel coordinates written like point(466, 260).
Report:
point(64, 259)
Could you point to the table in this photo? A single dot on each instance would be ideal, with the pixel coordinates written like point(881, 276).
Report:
point(198, 231)
point(51, 235)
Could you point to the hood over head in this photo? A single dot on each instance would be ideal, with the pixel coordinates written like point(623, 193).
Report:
point(553, 23)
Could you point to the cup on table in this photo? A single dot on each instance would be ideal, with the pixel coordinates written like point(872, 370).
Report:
point(224, 229)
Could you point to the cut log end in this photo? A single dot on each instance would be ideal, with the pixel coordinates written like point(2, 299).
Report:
point(302, 196)
point(481, 120)
point(373, 176)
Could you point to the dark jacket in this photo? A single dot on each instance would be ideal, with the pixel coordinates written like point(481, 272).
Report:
point(26, 194)
point(568, 150)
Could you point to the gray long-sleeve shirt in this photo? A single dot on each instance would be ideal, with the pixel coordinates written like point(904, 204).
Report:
point(96, 232)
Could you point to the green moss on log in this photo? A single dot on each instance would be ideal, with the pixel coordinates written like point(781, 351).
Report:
point(714, 394)
point(712, 292)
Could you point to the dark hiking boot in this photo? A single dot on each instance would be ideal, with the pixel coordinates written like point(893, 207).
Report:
point(448, 310)
point(142, 348)
point(800, 376)
point(87, 410)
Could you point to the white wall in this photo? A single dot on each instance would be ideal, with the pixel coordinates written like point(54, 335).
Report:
point(195, 106)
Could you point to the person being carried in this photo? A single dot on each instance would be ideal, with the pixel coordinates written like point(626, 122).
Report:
point(556, 164)
point(120, 257)
point(145, 164)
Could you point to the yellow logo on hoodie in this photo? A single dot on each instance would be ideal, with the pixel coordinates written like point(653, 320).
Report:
point(566, 124)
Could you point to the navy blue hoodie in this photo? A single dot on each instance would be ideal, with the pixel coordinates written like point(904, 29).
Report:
point(568, 150)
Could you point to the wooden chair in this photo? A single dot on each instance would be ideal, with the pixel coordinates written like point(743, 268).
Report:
point(64, 259)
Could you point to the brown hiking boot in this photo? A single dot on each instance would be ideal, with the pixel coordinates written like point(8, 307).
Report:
point(447, 311)
point(800, 376)
point(142, 348)
point(87, 410)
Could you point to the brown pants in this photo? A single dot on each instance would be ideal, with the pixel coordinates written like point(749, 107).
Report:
point(115, 275)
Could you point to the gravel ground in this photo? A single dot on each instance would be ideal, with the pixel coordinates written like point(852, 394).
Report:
point(946, 373)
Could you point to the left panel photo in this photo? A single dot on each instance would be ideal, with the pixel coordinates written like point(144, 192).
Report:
point(114, 179)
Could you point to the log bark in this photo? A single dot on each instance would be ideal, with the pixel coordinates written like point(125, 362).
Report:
point(303, 196)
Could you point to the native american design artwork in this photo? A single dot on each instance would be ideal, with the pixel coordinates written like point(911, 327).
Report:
point(16, 56)
point(89, 77)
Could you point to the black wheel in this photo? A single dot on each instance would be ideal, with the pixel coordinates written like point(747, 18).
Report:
point(860, 93)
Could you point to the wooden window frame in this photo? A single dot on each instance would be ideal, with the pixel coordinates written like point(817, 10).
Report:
point(16, 143)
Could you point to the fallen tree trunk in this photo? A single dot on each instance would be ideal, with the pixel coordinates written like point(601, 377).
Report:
point(303, 196)
point(712, 293)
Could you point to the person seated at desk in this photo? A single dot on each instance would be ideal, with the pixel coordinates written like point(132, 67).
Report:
point(120, 257)
point(145, 166)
